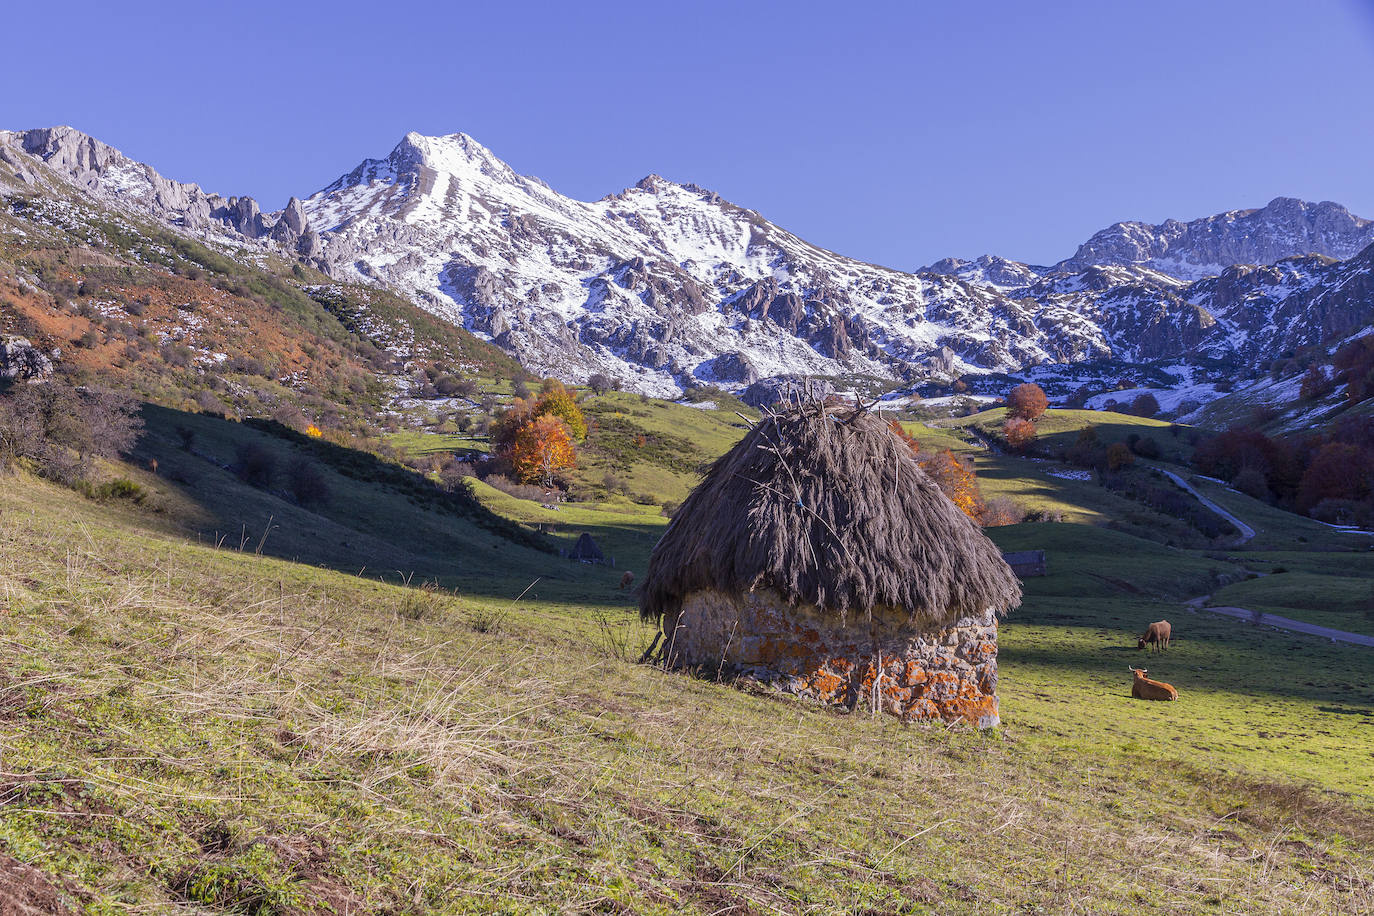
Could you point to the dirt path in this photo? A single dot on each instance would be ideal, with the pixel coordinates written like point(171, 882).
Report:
point(1246, 532)
point(1283, 623)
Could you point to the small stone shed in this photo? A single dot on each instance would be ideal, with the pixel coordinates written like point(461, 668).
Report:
point(817, 557)
point(586, 550)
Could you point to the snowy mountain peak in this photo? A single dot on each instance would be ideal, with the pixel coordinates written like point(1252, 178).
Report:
point(668, 285)
point(988, 270)
point(1285, 227)
point(455, 154)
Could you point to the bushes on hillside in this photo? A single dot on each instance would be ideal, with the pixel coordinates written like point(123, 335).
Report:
point(254, 465)
point(1018, 433)
point(1144, 487)
point(1001, 511)
point(1119, 456)
point(1301, 472)
point(62, 429)
point(600, 383)
point(517, 489)
point(306, 484)
point(1315, 384)
point(1144, 405)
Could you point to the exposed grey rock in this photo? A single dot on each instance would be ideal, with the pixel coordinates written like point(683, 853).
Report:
point(734, 368)
point(776, 389)
point(988, 270)
point(17, 166)
point(311, 246)
point(109, 175)
point(1283, 228)
point(21, 360)
point(293, 217)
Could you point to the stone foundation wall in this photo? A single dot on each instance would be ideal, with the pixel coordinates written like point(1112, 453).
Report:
point(948, 674)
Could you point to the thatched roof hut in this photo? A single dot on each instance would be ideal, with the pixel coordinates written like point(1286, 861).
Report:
point(821, 519)
point(828, 508)
point(586, 550)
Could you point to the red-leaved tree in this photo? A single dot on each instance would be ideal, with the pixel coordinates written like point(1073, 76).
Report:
point(1027, 401)
point(1018, 433)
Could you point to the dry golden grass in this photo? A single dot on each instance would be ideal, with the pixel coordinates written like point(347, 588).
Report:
point(197, 730)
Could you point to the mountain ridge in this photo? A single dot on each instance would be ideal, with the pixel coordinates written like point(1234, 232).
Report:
point(668, 285)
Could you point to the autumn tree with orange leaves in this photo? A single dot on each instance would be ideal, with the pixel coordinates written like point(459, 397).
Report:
point(540, 449)
point(956, 479)
point(953, 475)
point(900, 432)
point(1027, 401)
point(559, 402)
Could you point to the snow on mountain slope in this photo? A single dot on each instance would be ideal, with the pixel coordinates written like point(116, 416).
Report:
point(667, 285)
point(663, 284)
point(1283, 228)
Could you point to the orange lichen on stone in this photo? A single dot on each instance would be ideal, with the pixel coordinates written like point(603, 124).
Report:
point(882, 661)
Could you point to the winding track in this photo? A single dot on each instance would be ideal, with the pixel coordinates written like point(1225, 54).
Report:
point(1283, 623)
point(1246, 532)
point(1257, 617)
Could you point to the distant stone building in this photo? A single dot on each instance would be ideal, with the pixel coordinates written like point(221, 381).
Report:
point(818, 558)
point(586, 550)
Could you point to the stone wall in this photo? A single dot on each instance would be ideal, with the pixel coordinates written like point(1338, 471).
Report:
point(948, 674)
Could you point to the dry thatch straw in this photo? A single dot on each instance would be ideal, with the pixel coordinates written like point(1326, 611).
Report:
point(827, 507)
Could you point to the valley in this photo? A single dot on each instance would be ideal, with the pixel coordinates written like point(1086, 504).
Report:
point(290, 622)
point(244, 704)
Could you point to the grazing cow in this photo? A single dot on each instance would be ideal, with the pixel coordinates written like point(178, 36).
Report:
point(1146, 689)
point(1157, 635)
point(627, 580)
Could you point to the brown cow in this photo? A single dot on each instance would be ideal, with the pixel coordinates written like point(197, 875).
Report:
point(1146, 689)
point(627, 580)
point(1157, 635)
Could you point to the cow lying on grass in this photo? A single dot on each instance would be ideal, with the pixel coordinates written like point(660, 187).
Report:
point(1146, 689)
point(1157, 635)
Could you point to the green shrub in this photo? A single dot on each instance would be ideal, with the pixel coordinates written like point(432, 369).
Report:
point(123, 488)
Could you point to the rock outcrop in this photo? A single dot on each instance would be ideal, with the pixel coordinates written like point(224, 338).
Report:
point(1283, 228)
point(20, 360)
point(108, 175)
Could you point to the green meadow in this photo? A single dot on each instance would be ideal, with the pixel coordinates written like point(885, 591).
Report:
point(218, 701)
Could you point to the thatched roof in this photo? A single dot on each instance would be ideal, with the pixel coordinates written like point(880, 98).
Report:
point(827, 507)
point(586, 549)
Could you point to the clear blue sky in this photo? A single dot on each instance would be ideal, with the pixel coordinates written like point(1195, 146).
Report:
point(894, 132)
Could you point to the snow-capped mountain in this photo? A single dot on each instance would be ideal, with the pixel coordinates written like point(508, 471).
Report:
point(666, 285)
point(1283, 228)
point(663, 283)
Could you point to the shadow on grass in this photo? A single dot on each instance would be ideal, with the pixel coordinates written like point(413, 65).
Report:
point(377, 519)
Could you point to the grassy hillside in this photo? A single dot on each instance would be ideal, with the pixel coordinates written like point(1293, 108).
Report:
point(135, 305)
point(216, 731)
point(1057, 429)
point(653, 448)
